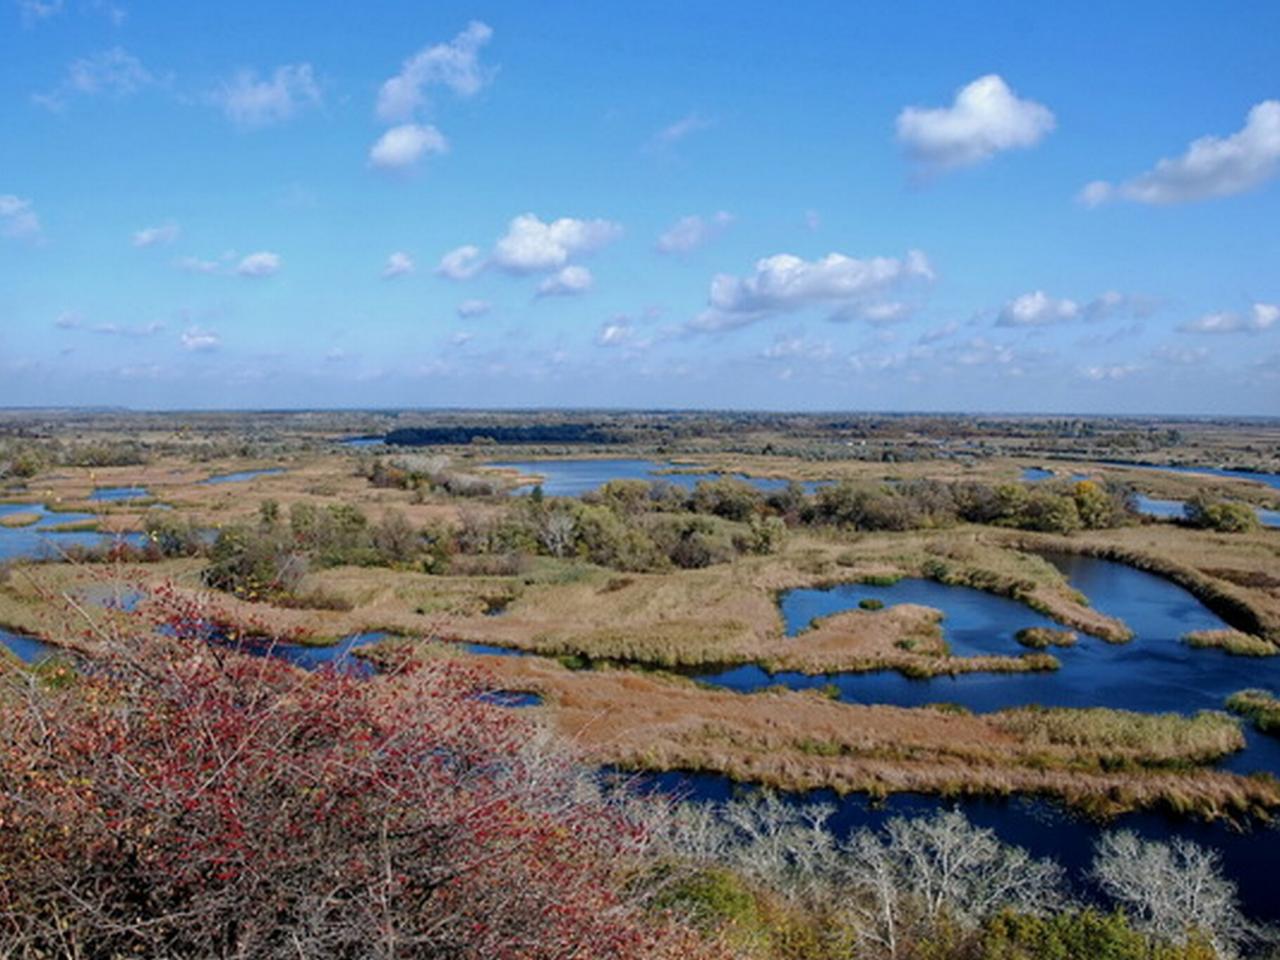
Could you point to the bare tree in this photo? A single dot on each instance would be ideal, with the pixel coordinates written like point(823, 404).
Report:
point(1174, 891)
point(926, 868)
point(557, 532)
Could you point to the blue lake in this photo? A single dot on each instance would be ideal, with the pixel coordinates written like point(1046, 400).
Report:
point(573, 478)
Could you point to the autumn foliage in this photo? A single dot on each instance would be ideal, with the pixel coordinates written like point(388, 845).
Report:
point(174, 798)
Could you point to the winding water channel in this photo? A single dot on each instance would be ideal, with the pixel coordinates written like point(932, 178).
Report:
point(1155, 672)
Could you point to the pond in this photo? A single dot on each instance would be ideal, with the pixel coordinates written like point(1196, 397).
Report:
point(27, 649)
point(573, 478)
point(241, 475)
point(42, 541)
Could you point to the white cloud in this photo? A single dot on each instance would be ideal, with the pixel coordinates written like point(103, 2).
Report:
point(197, 340)
point(115, 73)
point(675, 132)
point(461, 338)
point(985, 119)
point(468, 309)
point(462, 263)
point(948, 329)
point(1211, 167)
point(261, 264)
point(569, 282)
point(785, 282)
point(1115, 371)
point(614, 333)
point(18, 220)
point(797, 347)
point(142, 330)
point(69, 320)
point(398, 265)
point(1180, 356)
point(1261, 317)
point(197, 265)
point(1036, 310)
point(403, 146)
point(689, 233)
point(455, 65)
point(165, 233)
point(251, 102)
point(531, 246)
point(880, 314)
point(34, 11)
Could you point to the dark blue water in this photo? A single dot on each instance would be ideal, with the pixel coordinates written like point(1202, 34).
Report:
point(27, 649)
point(573, 478)
point(241, 475)
point(974, 622)
point(1042, 827)
point(40, 542)
point(1155, 672)
point(111, 494)
point(338, 656)
point(1034, 474)
point(513, 699)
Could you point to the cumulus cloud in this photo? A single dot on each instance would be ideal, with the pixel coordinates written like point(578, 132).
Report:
point(18, 220)
point(532, 246)
point(569, 282)
point(462, 263)
point(113, 73)
point(689, 233)
point(403, 146)
point(468, 309)
point(162, 234)
point(1211, 166)
point(455, 65)
point(615, 333)
point(986, 118)
point(398, 265)
point(1260, 318)
point(785, 283)
point(198, 340)
point(261, 264)
point(1036, 310)
point(250, 102)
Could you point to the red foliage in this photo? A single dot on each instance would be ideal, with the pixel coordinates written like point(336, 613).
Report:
point(179, 799)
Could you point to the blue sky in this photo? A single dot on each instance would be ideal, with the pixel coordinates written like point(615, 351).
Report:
point(804, 206)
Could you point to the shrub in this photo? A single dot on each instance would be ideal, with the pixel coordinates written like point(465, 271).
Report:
point(194, 806)
point(1224, 516)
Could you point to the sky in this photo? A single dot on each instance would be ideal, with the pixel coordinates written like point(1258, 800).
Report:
point(825, 206)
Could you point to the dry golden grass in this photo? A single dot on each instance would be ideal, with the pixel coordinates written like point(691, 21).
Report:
point(19, 519)
point(1102, 761)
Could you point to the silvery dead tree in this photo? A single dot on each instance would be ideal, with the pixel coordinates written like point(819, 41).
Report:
point(920, 870)
point(557, 532)
point(1173, 891)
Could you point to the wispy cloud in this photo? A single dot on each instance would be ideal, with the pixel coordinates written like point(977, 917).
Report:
point(18, 219)
point(689, 233)
point(114, 73)
point(160, 235)
point(399, 264)
point(251, 102)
